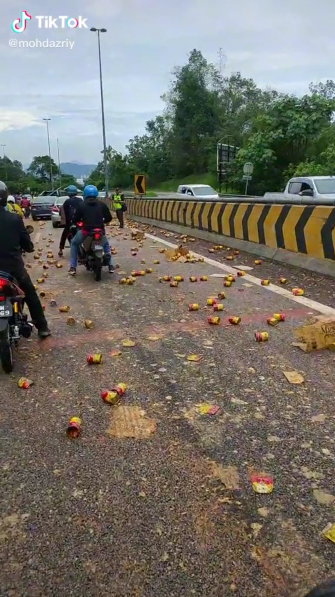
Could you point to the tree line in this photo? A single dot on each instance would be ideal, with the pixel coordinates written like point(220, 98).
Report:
point(281, 134)
point(36, 178)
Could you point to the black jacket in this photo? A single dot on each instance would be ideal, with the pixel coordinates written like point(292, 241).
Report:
point(93, 213)
point(70, 205)
point(13, 238)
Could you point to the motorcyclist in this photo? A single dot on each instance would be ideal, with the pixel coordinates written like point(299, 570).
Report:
point(93, 213)
point(14, 238)
point(25, 205)
point(69, 206)
point(14, 207)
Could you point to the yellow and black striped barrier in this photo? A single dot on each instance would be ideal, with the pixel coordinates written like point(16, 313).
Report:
point(306, 229)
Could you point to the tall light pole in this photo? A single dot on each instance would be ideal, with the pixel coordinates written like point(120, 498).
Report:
point(3, 157)
point(60, 173)
point(95, 30)
point(47, 120)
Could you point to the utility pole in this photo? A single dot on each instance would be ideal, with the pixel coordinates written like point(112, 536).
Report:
point(4, 160)
point(222, 60)
point(95, 30)
point(60, 173)
point(47, 120)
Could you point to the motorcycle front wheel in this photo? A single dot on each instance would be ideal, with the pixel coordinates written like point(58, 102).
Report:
point(6, 353)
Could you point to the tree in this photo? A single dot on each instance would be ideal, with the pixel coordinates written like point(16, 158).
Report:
point(40, 168)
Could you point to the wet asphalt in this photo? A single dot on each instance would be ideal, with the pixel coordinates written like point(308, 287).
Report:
point(155, 498)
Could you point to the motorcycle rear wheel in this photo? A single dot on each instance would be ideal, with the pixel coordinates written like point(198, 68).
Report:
point(97, 267)
point(6, 353)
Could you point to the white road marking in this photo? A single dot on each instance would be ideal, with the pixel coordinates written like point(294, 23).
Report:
point(37, 237)
point(301, 300)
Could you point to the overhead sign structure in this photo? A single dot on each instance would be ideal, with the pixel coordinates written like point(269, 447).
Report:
point(248, 168)
point(139, 184)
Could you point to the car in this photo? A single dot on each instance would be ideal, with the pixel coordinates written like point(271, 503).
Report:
point(56, 215)
point(41, 207)
point(198, 191)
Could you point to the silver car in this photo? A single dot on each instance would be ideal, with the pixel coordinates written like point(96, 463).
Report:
point(56, 212)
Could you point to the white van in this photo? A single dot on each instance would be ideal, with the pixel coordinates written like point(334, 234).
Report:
point(198, 191)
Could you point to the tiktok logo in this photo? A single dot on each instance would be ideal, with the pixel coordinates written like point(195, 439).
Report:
point(19, 25)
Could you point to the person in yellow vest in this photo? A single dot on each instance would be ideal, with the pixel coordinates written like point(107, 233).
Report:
point(119, 206)
point(14, 207)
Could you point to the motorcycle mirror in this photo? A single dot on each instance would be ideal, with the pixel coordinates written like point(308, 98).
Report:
point(30, 229)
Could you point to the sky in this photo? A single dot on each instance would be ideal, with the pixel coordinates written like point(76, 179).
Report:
point(284, 45)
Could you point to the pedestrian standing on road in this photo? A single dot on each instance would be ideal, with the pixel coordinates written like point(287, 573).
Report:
point(14, 207)
point(70, 207)
point(14, 238)
point(119, 206)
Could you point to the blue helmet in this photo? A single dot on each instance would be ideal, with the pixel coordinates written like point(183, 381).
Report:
point(71, 190)
point(90, 191)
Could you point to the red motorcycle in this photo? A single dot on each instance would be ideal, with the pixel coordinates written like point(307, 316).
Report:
point(14, 323)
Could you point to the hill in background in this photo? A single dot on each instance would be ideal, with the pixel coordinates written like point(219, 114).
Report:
point(76, 169)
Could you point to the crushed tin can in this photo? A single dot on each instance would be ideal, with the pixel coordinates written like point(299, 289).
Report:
point(283, 280)
point(272, 321)
point(265, 282)
point(64, 309)
point(94, 359)
point(71, 321)
point(112, 396)
point(214, 320)
point(234, 320)
point(148, 270)
point(156, 262)
point(40, 280)
point(203, 279)
point(222, 295)
point(227, 284)
point(178, 279)
point(193, 279)
point(229, 258)
point(174, 284)
point(258, 262)
point(74, 427)
point(88, 324)
point(240, 273)
point(53, 303)
point(24, 383)
point(230, 278)
point(236, 252)
point(123, 281)
point(279, 316)
point(211, 251)
point(211, 302)
point(59, 265)
point(50, 255)
point(133, 254)
point(262, 483)
point(42, 294)
point(200, 259)
point(218, 307)
point(142, 261)
point(261, 336)
point(298, 291)
point(130, 281)
point(133, 273)
point(193, 307)
point(167, 278)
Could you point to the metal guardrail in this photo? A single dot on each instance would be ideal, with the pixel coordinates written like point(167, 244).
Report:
point(246, 199)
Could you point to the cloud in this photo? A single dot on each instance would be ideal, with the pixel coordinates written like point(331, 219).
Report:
point(283, 45)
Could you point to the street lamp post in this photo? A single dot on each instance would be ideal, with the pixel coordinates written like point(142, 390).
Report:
point(95, 30)
point(3, 157)
point(60, 173)
point(47, 120)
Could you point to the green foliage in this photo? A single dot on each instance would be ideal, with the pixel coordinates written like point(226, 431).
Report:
point(40, 168)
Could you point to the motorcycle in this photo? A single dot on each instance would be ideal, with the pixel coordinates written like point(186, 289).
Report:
point(91, 253)
point(14, 322)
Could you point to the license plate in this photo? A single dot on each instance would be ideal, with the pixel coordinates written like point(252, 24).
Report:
point(98, 248)
point(4, 311)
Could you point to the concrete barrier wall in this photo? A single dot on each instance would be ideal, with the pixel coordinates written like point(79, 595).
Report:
point(307, 230)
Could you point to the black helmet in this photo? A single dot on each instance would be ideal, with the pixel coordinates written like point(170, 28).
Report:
point(3, 194)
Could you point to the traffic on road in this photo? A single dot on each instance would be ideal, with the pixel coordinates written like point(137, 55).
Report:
point(170, 437)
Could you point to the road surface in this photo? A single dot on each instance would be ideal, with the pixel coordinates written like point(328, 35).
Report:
point(155, 497)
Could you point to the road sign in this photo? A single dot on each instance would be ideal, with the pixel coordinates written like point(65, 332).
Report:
point(139, 184)
point(247, 177)
point(248, 168)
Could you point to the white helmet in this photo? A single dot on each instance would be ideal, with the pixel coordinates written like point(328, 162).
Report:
point(10, 199)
